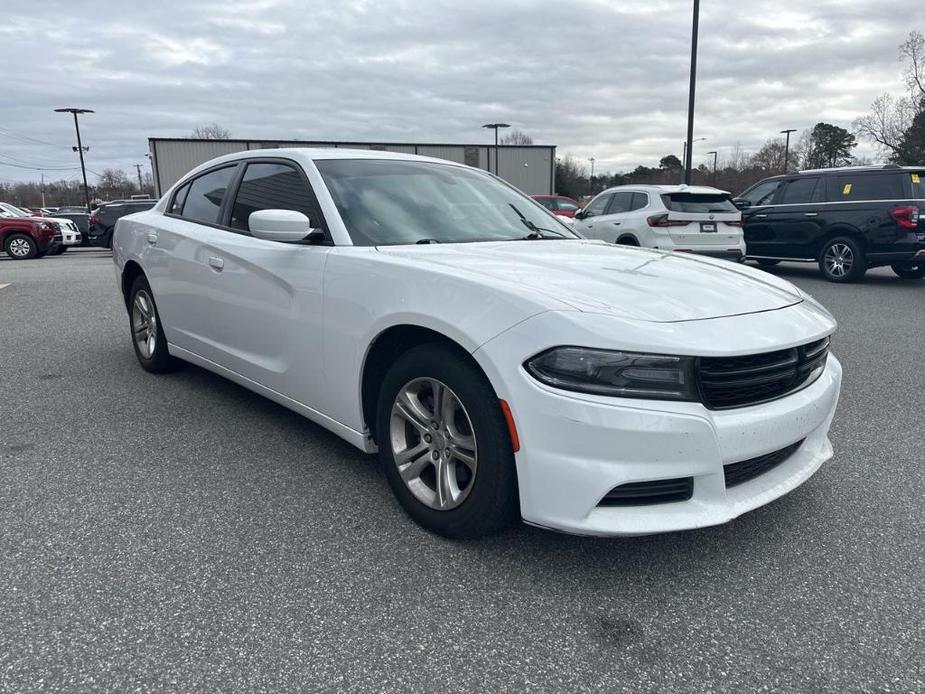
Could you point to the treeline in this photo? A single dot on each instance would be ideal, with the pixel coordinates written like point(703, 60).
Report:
point(113, 184)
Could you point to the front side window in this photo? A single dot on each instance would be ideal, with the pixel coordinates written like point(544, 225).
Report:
point(799, 190)
point(761, 194)
point(204, 199)
point(272, 186)
point(597, 206)
point(866, 186)
point(392, 202)
point(699, 202)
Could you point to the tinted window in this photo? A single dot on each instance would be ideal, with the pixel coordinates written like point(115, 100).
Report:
point(799, 190)
point(918, 184)
point(698, 202)
point(866, 186)
point(640, 200)
point(761, 194)
point(205, 196)
point(622, 202)
point(567, 205)
point(273, 186)
point(597, 206)
point(176, 207)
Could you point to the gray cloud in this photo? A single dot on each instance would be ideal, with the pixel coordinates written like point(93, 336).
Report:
point(596, 78)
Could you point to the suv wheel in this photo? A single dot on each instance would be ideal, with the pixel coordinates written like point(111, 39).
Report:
point(445, 445)
point(909, 271)
point(147, 333)
point(842, 260)
point(21, 247)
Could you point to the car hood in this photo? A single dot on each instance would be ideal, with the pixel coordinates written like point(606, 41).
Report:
point(633, 283)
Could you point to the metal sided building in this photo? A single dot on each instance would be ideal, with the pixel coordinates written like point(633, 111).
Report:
point(531, 168)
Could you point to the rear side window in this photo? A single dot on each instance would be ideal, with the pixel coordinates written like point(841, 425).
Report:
point(918, 184)
point(621, 202)
point(176, 207)
point(640, 200)
point(205, 196)
point(799, 190)
point(547, 203)
point(272, 186)
point(866, 186)
point(698, 202)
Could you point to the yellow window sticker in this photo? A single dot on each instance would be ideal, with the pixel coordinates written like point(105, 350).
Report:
point(846, 190)
point(916, 179)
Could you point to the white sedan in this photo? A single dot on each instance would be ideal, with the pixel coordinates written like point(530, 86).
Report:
point(499, 364)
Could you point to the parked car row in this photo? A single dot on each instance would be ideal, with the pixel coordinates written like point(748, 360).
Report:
point(844, 219)
point(24, 235)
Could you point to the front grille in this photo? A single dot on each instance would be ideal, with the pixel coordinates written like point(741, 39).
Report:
point(737, 473)
point(654, 492)
point(726, 382)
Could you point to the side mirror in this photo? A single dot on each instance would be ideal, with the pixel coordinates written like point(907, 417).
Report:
point(741, 203)
point(579, 214)
point(280, 225)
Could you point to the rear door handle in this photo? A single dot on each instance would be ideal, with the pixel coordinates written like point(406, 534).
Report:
point(811, 214)
point(216, 263)
point(760, 216)
point(152, 238)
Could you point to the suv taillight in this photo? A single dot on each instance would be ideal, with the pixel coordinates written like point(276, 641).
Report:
point(661, 220)
point(907, 216)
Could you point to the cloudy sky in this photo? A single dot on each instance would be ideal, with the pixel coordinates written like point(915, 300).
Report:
point(597, 78)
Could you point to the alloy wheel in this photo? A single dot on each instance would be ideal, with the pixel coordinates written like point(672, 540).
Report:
point(20, 248)
point(839, 258)
point(144, 324)
point(433, 443)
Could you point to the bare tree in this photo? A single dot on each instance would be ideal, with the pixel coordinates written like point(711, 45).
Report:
point(913, 50)
point(210, 131)
point(771, 157)
point(517, 137)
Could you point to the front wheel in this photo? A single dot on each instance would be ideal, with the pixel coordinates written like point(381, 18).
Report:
point(147, 332)
point(842, 260)
point(21, 247)
point(444, 444)
point(909, 271)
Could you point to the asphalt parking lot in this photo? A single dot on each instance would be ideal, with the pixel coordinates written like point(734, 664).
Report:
point(178, 533)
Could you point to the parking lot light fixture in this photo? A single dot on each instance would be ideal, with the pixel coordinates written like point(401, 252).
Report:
point(495, 127)
point(80, 148)
point(690, 95)
point(787, 144)
point(714, 153)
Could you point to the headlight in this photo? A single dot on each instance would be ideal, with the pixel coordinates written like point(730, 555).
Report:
point(621, 374)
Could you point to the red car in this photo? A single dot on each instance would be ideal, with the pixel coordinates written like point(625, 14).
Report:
point(558, 204)
point(28, 237)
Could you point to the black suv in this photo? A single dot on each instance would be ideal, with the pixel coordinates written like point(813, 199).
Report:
point(103, 219)
point(847, 220)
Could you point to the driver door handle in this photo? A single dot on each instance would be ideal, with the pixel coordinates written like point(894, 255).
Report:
point(616, 224)
point(216, 263)
point(760, 216)
point(811, 214)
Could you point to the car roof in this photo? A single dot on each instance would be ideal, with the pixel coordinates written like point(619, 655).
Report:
point(660, 189)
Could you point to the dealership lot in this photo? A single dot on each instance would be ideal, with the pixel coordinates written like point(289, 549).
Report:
point(182, 533)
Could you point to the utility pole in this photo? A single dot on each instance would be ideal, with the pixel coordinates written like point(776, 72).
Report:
point(591, 180)
point(141, 187)
point(714, 153)
point(43, 189)
point(80, 148)
point(787, 144)
point(495, 127)
point(690, 96)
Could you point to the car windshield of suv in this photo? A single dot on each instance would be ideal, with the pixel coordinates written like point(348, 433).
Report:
point(699, 202)
point(393, 202)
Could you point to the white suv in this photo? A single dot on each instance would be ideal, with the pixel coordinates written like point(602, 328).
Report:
point(696, 219)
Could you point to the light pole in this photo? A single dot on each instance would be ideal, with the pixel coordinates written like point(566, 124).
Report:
point(591, 180)
point(495, 127)
point(714, 153)
point(690, 95)
point(80, 148)
point(787, 145)
point(686, 153)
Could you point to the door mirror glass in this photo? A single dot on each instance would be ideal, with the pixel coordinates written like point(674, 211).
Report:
point(280, 225)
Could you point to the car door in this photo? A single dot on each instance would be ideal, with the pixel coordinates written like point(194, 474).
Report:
point(590, 215)
point(266, 296)
point(754, 204)
point(794, 222)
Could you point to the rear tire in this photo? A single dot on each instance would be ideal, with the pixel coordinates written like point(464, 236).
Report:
point(21, 247)
point(767, 262)
point(147, 330)
point(909, 271)
point(463, 442)
point(627, 241)
point(842, 260)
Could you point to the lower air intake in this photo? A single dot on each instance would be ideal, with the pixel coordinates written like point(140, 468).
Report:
point(737, 473)
point(654, 492)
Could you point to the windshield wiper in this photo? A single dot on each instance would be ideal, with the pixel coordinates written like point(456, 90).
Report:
point(535, 231)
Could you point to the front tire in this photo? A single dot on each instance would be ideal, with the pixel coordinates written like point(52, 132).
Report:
point(842, 260)
point(444, 444)
point(909, 271)
point(147, 331)
point(21, 247)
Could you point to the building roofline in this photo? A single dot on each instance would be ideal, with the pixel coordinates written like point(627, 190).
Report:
point(342, 143)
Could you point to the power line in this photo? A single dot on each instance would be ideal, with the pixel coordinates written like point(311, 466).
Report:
point(26, 138)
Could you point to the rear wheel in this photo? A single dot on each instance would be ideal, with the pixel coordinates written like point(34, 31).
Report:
point(627, 241)
point(767, 262)
point(909, 271)
point(842, 260)
point(444, 444)
point(147, 333)
point(21, 247)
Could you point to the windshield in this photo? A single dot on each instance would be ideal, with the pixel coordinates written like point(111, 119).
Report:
point(387, 202)
point(699, 202)
point(13, 211)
